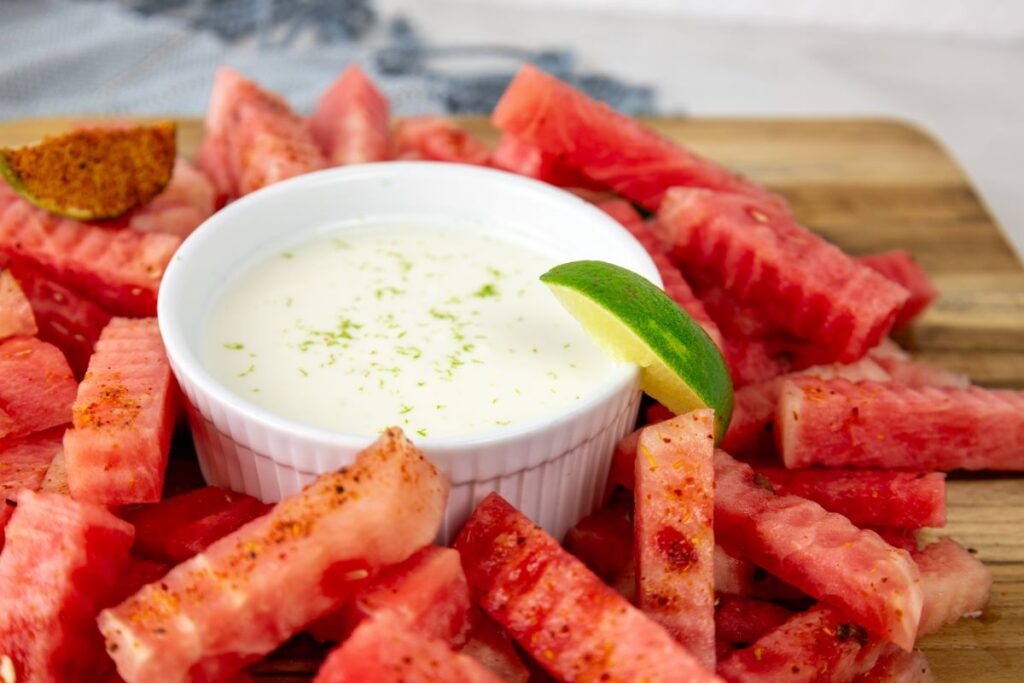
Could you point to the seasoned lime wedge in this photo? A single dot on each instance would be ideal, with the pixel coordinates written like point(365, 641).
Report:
point(634, 321)
point(93, 173)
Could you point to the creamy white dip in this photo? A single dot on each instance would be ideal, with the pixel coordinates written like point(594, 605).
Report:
point(441, 331)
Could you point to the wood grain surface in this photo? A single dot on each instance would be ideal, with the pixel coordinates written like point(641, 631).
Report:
point(867, 185)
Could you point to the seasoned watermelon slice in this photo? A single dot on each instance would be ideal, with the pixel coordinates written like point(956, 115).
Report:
point(610, 148)
point(261, 584)
point(60, 565)
point(188, 200)
point(604, 540)
point(900, 267)
point(567, 619)
point(903, 500)
point(819, 552)
point(515, 156)
point(837, 423)
point(351, 122)
point(436, 138)
point(23, 465)
point(741, 621)
point(36, 387)
point(428, 591)
point(751, 428)
point(492, 647)
point(16, 316)
point(903, 369)
point(124, 416)
point(817, 645)
point(119, 269)
point(674, 536)
point(179, 527)
point(253, 138)
point(672, 279)
point(68, 320)
point(789, 276)
point(386, 649)
point(897, 666)
point(954, 583)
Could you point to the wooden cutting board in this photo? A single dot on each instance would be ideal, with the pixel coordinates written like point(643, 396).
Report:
point(868, 185)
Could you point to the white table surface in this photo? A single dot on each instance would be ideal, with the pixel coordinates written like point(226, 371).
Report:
point(967, 90)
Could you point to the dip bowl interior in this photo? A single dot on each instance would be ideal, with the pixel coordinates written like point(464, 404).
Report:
point(553, 468)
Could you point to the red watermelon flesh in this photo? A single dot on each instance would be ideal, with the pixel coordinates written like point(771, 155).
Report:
point(490, 645)
point(259, 585)
point(735, 575)
point(903, 369)
point(904, 539)
point(179, 527)
point(657, 413)
point(188, 541)
point(897, 666)
point(623, 468)
point(752, 360)
point(36, 387)
point(610, 148)
point(837, 423)
point(741, 621)
point(900, 267)
point(905, 500)
point(124, 416)
point(787, 275)
point(428, 591)
point(16, 318)
point(252, 138)
point(352, 120)
point(23, 465)
point(819, 552)
point(604, 540)
point(386, 649)
point(68, 320)
point(137, 573)
point(118, 269)
point(515, 156)
point(954, 582)
point(188, 200)
point(673, 529)
point(436, 138)
point(59, 567)
point(813, 646)
point(672, 279)
point(565, 617)
point(750, 433)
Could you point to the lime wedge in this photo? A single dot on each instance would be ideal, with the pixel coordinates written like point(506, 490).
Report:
point(93, 173)
point(634, 321)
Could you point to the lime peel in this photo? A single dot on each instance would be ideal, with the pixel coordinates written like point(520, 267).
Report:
point(634, 321)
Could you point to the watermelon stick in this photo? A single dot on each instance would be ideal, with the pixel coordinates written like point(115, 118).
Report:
point(674, 536)
point(880, 498)
point(817, 551)
point(837, 423)
point(817, 645)
point(261, 584)
point(610, 148)
point(566, 618)
point(116, 452)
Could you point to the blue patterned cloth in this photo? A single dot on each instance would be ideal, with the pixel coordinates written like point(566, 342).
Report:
point(158, 57)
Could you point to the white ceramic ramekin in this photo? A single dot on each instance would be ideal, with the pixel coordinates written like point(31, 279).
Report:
point(552, 469)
